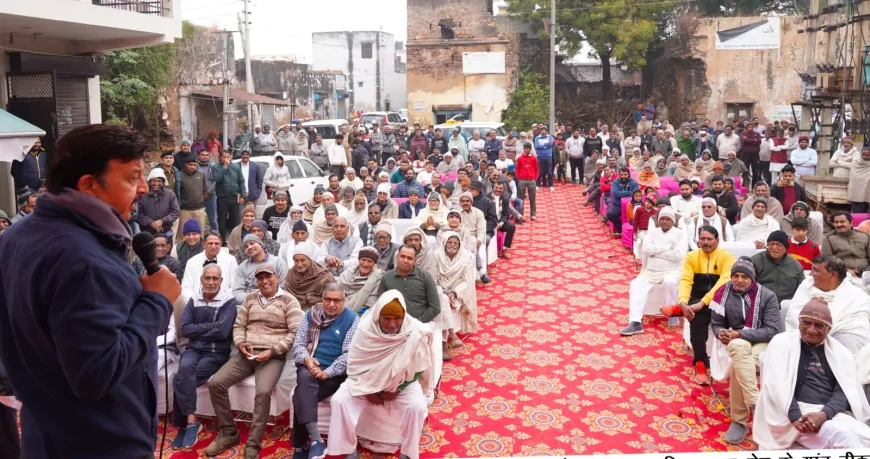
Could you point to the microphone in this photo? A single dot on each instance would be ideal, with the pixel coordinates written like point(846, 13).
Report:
point(146, 249)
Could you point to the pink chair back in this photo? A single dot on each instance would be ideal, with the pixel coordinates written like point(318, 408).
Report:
point(399, 201)
point(622, 205)
point(451, 177)
point(857, 219)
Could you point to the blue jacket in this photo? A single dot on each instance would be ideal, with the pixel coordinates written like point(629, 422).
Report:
point(405, 209)
point(403, 187)
point(209, 327)
point(544, 146)
point(492, 147)
point(619, 190)
point(78, 337)
point(30, 170)
point(255, 180)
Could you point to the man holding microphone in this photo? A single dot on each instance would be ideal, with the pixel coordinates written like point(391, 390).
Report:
point(78, 326)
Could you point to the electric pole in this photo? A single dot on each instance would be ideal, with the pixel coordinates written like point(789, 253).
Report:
point(249, 78)
point(226, 83)
point(552, 67)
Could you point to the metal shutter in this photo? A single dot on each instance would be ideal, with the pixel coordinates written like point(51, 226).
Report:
point(208, 117)
point(72, 104)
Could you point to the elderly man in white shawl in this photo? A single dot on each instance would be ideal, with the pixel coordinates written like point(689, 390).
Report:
point(456, 276)
point(389, 363)
point(808, 382)
point(709, 217)
point(664, 249)
point(849, 304)
point(755, 228)
point(361, 283)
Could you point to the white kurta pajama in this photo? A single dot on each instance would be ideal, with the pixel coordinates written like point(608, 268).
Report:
point(663, 254)
point(850, 310)
point(773, 430)
point(378, 362)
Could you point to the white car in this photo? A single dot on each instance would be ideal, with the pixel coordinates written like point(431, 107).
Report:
point(383, 118)
point(304, 177)
point(403, 113)
point(327, 129)
point(469, 127)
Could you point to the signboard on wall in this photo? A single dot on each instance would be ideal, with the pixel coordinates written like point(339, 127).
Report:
point(784, 112)
point(476, 63)
point(764, 34)
point(420, 106)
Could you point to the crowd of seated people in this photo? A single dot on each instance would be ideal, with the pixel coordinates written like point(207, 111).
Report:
point(757, 288)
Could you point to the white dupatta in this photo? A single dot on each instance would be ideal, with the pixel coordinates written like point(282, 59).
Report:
point(850, 311)
point(772, 429)
point(379, 362)
point(458, 276)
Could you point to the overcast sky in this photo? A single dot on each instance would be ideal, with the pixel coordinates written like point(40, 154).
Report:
point(281, 28)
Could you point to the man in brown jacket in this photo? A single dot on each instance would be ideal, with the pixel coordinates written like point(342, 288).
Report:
point(264, 331)
point(847, 244)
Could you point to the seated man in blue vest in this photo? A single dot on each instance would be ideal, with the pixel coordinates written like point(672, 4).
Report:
point(321, 348)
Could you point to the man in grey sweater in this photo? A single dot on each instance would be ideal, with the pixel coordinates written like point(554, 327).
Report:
point(245, 280)
point(745, 317)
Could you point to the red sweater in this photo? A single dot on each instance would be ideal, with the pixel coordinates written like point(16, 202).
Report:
point(640, 222)
point(607, 182)
point(804, 253)
point(526, 167)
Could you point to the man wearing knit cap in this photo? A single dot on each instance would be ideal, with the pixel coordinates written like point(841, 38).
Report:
point(664, 248)
point(810, 392)
point(756, 227)
point(762, 190)
point(776, 269)
point(474, 220)
point(745, 317)
point(849, 303)
point(190, 246)
point(245, 280)
point(298, 234)
point(264, 333)
point(385, 246)
point(181, 154)
point(361, 283)
point(410, 208)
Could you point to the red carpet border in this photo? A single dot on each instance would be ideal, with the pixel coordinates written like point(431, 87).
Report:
point(548, 373)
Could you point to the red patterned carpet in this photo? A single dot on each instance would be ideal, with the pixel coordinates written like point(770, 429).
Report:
point(548, 373)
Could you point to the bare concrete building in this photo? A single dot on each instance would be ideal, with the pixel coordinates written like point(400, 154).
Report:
point(375, 77)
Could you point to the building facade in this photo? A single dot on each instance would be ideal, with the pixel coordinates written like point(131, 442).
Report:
point(462, 60)
point(51, 58)
point(369, 60)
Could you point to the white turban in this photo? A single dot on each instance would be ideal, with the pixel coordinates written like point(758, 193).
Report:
point(304, 248)
point(384, 188)
point(710, 201)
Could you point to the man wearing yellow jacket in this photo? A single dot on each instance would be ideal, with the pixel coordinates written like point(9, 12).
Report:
point(704, 271)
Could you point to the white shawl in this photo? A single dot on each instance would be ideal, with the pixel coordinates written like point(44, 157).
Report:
point(751, 229)
point(859, 181)
point(379, 362)
point(457, 276)
point(850, 310)
point(439, 216)
point(354, 218)
point(772, 429)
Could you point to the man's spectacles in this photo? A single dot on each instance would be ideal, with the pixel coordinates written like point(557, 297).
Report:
point(327, 300)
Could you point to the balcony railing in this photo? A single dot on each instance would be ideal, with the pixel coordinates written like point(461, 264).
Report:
point(149, 7)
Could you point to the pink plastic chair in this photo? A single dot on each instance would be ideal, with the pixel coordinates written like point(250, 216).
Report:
point(857, 219)
point(399, 201)
point(451, 177)
point(628, 236)
point(500, 237)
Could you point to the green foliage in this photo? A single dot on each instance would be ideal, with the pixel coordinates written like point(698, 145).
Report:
point(133, 80)
point(529, 103)
point(751, 7)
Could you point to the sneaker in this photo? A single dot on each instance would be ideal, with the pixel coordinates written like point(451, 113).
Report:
point(178, 441)
point(701, 374)
point(633, 328)
point(534, 218)
point(317, 450)
point(227, 438)
point(485, 279)
point(191, 434)
point(446, 352)
point(736, 433)
point(252, 452)
point(300, 453)
point(674, 322)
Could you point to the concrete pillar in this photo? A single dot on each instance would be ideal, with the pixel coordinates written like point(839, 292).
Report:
point(95, 108)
